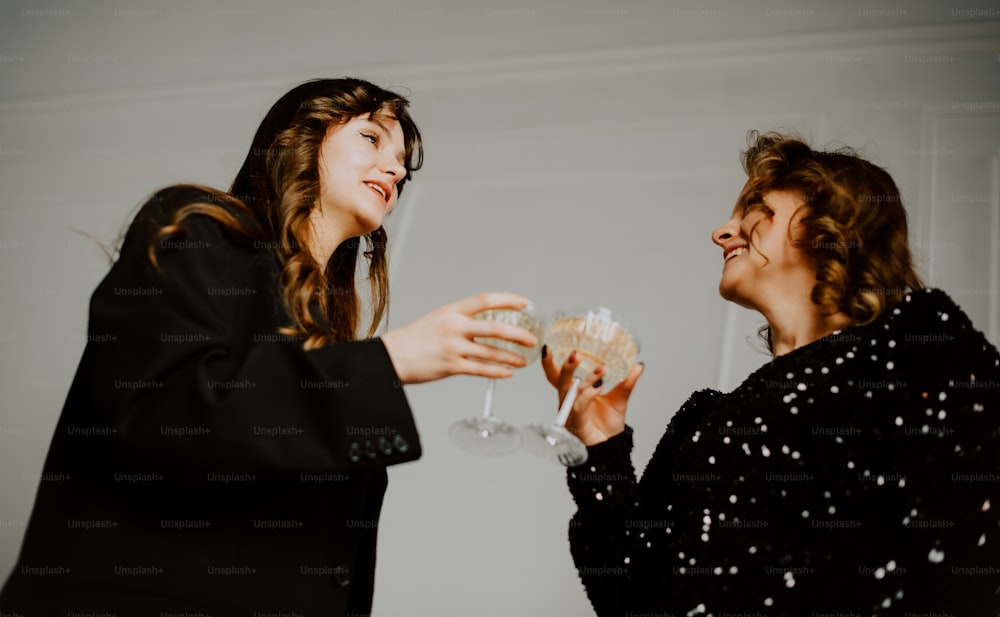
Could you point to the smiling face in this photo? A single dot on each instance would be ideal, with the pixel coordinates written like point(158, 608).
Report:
point(770, 269)
point(360, 163)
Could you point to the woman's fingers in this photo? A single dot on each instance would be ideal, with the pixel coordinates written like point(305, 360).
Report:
point(633, 376)
point(487, 353)
point(549, 366)
point(621, 393)
point(441, 344)
point(590, 387)
point(485, 328)
point(446, 342)
point(566, 374)
point(587, 382)
point(482, 369)
point(489, 300)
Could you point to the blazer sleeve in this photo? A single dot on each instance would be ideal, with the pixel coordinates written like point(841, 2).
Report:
point(185, 364)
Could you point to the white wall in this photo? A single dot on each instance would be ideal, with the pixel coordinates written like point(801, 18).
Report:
point(575, 154)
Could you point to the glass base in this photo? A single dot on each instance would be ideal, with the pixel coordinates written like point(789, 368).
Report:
point(555, 443)
point(485, 435)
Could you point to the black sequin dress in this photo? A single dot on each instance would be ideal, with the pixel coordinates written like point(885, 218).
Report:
point(856, 475)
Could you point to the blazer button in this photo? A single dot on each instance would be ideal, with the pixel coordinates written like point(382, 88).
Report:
point(370, 450)
point(342, 576)
point(384, 446)
point(400, 443)
point(354, 452)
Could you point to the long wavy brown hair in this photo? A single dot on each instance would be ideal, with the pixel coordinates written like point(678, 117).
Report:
point(277, 188)
point(851, 224)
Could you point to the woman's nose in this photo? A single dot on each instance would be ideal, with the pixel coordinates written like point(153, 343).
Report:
point(392, 166)
point(726, 232)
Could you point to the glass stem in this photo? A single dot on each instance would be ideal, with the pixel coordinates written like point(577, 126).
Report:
point(491, 387)
point(567, 404)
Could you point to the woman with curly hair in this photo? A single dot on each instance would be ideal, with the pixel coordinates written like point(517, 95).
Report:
point(223, 448)
point(856, 473)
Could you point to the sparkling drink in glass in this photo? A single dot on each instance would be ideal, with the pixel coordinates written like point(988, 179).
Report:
point(487, 434)
point(599, 337)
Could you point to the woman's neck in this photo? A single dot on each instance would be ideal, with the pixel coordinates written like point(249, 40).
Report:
point(795, 324)
point(322, 238)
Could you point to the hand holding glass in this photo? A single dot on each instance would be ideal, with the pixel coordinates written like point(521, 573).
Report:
point(487, 434)
point(599, 338)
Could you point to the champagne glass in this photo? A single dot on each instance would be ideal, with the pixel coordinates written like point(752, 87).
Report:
point(599, 337)
point(487, 434)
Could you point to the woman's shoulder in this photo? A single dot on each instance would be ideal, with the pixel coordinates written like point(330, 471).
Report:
point(165, 202)
point(163, 206)
point(927, 315)
point(929, 304)
point(190, 213)
point(930, 320)
point(184, 238)
point(695, 407)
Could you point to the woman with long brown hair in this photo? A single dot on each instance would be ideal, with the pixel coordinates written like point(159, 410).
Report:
point(223, 448)
point(856, 473)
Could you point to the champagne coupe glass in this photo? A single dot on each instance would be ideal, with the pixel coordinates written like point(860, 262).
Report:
point(599, 337)
point(487, 434)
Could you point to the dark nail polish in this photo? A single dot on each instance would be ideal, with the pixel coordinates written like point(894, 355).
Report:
point(642, 364)
point(598, 383)
point(545, 351)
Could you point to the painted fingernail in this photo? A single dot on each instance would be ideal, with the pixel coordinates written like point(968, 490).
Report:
point(598, 383)
point(545, 350)
point(572, 357)
point(642, 364)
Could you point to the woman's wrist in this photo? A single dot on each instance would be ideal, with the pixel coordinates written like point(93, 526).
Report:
point(396, 356)
point(595, 437)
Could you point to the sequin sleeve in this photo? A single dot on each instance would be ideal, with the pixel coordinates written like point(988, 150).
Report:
point(600, 536)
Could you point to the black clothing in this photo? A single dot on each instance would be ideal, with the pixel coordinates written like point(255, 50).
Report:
point(859, 474)
point(203, 463)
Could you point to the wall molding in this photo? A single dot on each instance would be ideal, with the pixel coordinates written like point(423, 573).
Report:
point(993, 324)
point(931, 117)
point(954, 37)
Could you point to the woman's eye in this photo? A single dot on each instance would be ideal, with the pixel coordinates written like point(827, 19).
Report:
point(372, 137)
point(759, 209)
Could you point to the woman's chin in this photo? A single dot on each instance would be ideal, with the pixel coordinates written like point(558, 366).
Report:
point(368, 224)
point(727, 289)
point(730, 293)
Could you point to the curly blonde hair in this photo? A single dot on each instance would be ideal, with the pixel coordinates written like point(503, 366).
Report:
point(277, 188)
point(852, 223)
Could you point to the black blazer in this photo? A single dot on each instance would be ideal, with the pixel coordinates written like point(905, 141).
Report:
point(203, 463)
